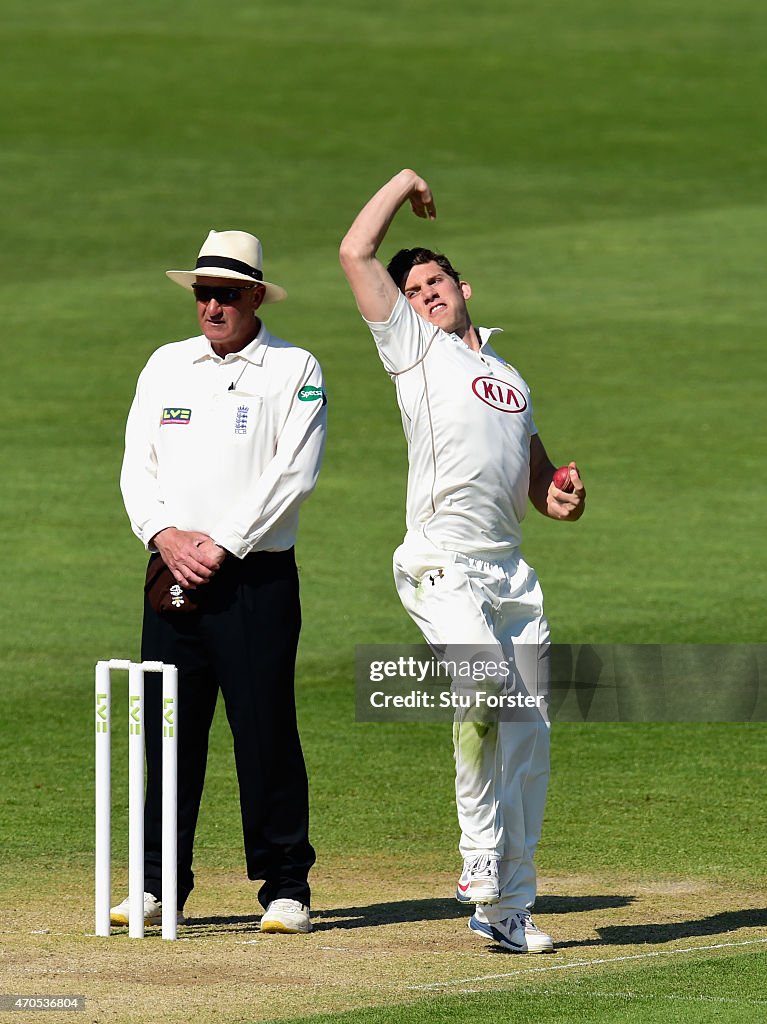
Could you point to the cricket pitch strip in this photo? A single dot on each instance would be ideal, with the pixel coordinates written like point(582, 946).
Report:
point(380, 938)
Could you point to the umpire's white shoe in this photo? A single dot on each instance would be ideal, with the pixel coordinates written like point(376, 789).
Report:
point(287, 917)
point(517, 933)
point(152, 912)
point(479, 880)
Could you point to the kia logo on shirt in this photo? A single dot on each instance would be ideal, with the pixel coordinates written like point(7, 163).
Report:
point(499, 394)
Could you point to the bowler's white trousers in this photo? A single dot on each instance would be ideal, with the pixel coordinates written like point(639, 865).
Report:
point(490, 610)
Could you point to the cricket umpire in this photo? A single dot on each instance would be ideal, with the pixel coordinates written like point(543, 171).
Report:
point(475, 459)
point(223, 443)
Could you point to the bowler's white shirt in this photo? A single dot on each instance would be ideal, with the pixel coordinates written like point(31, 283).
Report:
point(468, 420)
point(234, 463)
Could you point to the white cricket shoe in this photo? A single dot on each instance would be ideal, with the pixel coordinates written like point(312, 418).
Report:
point(479, 880)
point(517, 933)
point(152, 912)
point(287, 917)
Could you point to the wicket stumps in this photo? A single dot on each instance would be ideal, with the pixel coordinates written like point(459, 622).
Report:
point(136, 794)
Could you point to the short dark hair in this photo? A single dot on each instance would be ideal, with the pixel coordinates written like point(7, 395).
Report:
point(402, 263)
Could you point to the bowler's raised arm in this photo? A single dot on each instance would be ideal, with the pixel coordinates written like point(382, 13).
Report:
point(373, 288)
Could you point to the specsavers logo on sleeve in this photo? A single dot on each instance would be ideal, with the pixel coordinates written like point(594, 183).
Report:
point(180, 416)
point(312, 395)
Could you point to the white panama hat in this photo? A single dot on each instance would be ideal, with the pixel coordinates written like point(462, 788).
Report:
point(234, 255)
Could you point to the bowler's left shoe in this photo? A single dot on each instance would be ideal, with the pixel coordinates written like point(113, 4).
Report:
point(518, 934)
point(286, 916)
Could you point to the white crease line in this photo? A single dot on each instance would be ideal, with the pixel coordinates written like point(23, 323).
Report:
point(584, 963)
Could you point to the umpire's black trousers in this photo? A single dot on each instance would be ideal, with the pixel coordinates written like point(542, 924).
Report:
point(243, 640)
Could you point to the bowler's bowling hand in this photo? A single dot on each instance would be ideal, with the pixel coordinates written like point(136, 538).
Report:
point(421, 198)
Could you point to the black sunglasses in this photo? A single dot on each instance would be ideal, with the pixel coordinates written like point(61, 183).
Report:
point(223, 296)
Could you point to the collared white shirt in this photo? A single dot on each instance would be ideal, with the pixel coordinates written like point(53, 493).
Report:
point(227, 446)
point(468, 420)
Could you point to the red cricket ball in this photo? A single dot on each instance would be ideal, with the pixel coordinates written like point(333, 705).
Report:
point(562, 479)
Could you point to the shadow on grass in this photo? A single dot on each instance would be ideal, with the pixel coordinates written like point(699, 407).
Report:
point(234, 923)
point(411, 912)
point(579, 904)
point(723, 924)
point(415, 911)
point(717, 924)
point(371, 916)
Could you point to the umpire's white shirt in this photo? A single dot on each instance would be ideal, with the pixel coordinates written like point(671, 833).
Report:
point(468, 420)
point(232, 462)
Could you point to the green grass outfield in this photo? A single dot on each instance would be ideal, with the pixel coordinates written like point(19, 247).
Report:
point(600, 173)
point(654, 995)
